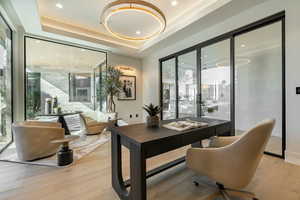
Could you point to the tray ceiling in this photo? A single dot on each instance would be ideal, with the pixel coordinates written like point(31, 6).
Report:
point(79, 19)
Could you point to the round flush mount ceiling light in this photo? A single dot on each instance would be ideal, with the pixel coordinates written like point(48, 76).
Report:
point(133, 20)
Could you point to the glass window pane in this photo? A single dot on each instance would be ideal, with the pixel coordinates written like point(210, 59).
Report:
point(215, 80)
point(187, 84)
point(66, 72)
point(5, 85)
point(258, 81)
point(80, 87)
point(169, 89)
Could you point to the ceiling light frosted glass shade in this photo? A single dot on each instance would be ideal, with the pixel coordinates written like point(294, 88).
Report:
point(123, 18)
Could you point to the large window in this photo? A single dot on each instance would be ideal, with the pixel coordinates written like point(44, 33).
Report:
point(238, 76)
point(5, 84)
point(71, 74)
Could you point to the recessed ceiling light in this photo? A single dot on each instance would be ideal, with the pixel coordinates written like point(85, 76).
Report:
point(138, 32)
point(174, 3)
point(243, 45)
point(59, 5)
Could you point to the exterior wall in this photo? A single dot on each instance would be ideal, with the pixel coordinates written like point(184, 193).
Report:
point(223, 24)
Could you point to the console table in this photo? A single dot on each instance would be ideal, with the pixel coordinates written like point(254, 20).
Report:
point(144, 143)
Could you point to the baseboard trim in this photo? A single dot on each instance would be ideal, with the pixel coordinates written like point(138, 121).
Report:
point(292, 157)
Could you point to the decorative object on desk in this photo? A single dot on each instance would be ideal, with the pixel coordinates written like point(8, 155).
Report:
point(48, 106)
point(184, 125)
point(128, 91)
point(153, 111)
point(112, 87)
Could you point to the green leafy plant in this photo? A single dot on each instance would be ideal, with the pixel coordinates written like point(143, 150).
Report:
point(152, 110)
point(112, 87)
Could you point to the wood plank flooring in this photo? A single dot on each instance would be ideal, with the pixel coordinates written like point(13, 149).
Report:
point(89, 179)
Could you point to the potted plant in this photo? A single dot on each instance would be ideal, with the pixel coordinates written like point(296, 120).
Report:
point(152, 118)
point(112, 87)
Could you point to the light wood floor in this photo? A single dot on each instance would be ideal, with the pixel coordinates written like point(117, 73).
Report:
point(89, 179)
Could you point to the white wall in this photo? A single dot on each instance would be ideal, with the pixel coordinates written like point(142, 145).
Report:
point(224, 24)
point(132, 107)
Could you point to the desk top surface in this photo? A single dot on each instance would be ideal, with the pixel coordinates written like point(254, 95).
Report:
point(140, 133)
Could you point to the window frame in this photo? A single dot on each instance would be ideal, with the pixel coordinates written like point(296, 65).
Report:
point(231, 36)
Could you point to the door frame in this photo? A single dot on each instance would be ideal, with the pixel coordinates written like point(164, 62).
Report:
point(231, 36)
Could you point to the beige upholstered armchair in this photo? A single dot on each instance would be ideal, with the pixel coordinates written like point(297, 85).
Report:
point(232, 161)
point(91, 126)
point(33, 139)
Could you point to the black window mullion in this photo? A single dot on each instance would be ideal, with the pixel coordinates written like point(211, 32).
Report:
point(232, 84)
point(177, 87)
point(199, 86)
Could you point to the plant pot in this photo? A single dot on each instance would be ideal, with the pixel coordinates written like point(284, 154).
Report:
point(152, 121)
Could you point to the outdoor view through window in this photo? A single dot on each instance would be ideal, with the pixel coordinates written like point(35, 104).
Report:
point(70, 75)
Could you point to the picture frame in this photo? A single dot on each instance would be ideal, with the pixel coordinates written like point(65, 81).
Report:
point(128, 91)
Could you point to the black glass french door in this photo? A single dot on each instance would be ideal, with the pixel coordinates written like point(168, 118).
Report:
point(232, 77)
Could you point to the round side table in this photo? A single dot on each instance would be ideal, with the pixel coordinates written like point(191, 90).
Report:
point(65, 154)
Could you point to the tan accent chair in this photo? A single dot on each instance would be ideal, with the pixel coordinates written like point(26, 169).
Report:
point(91, 126)
point(33, 139)
point(232, 161)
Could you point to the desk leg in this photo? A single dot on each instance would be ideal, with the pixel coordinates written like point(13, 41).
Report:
point(116, 163)
point(137, 173)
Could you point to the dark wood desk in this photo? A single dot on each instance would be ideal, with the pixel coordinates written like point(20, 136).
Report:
point(144, 143)
point(61, 119)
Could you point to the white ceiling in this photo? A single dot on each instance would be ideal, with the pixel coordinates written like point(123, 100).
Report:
point(79, 22)
point(87, 15)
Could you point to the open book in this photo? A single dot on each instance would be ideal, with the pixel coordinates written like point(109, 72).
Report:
point(184, 125)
